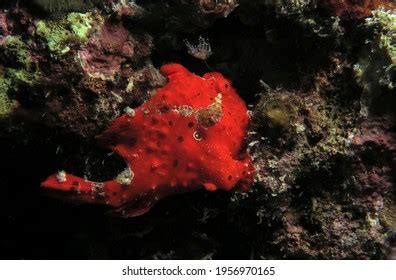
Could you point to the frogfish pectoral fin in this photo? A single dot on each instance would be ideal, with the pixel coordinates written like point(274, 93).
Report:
point(74, 188)
point(127, 200)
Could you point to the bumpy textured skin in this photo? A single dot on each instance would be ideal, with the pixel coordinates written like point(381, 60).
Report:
point(190, 135)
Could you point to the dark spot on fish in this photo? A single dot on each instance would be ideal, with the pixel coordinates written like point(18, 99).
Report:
point(133, 141)
point(164, 108)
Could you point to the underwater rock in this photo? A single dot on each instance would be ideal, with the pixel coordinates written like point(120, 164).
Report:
point(125, 9)
point(102, 57)
point(68, 33)
point(182, 16)
point(221, 8)
point(61, 7)
point(357, 9)
point(7, 104)
point(296, 140)
point(288, 131)
point(4, 31)
point(282, 7)
point(376, 69)
point(377, 132)
point(17, 61)
point(376, 144)
point(43, 70)
point(388, 215)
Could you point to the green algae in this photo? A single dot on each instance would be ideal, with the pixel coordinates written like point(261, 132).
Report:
point(62, 35)
point(56, 35)
point(19, 77)
point(17, 52)
point(81, 25)
point(377, 68)
point(7, 105)
point(15, 48)
point(130, 86)
point(20, 72)
point(386, 21)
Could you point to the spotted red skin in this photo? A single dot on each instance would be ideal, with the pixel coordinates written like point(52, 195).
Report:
point(171, 152)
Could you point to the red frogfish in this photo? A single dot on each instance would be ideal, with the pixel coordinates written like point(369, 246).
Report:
point(190, 135)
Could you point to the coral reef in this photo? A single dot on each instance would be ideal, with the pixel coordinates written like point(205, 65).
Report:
point(7, 105)
point(282, 7)
point(169, 144)
point(60, 36)
point(223, 8)
point(58, 8)
point(78, 57)
point(375, 70)
point(4, 32)
point(299, 136)
point(104, 54)
point(358, 9)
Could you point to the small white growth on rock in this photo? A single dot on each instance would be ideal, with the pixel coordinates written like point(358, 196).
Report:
point(130, 86)
point(125, 177)
point(272, 163)
point(300, 128)
point(349, 139)
point(372, 219)
point(129, 111)
point(251, 144)
point(61, 176)
point(117, 98)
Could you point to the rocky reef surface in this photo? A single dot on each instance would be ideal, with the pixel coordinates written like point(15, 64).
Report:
point(319, 79)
